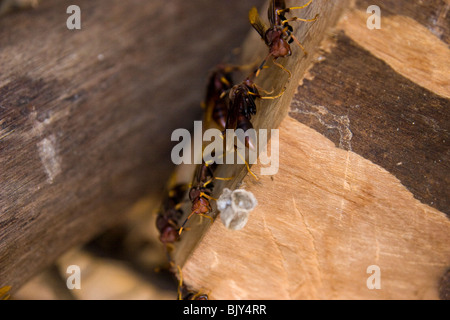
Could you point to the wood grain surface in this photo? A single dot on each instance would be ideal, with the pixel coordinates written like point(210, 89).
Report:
point(86, 115)
point(380, 115)
point(325, 218)
point(363, 137)
point(363, 178)
point(270, 112)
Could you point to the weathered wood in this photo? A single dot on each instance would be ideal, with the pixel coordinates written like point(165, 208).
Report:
point(11, 5)
point(86, 115)
point(363, 177)
point(380, 115)
point(325, 218)
point(270, 112)
point(433, 14)
point(352, 191)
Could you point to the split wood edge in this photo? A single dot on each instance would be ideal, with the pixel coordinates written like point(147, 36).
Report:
point(270, 113)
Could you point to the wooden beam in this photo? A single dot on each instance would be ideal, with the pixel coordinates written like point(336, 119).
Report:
point(86, 115)
point(270, 112)
point(363, 176)
point(322, 221)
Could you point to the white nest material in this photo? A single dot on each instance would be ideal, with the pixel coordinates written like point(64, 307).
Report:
point(235, 206)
